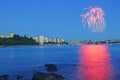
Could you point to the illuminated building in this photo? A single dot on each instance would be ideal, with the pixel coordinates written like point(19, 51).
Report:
point(11, 35)
point(2, 36)
point(41, 40)
point(52, 40)
point(46, 39)
point(59, 40)
point(36, 39)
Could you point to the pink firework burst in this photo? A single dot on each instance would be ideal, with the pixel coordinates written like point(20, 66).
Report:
point(94, 19)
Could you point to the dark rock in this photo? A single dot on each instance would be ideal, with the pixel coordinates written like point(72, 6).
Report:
point(75, 64)
point(4, 77)
point(18, 77)
point(51, 67)
point(46, 76)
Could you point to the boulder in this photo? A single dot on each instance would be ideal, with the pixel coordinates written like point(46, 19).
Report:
point(46, 76)
point(51, 67)
point(18, 77)
point(4, 77)
point(74, 64)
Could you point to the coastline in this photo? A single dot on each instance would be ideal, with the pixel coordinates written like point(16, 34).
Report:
point(3, 46)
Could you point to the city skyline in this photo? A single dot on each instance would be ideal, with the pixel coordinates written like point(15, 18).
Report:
point(16, 39)
point(57, 19)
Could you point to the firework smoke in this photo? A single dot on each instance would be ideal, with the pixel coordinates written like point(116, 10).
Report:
point(94, 19)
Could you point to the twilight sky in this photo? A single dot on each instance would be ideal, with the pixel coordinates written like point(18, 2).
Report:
point(57, 18)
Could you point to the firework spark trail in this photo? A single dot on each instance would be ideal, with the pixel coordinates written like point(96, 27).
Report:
point(94, 18)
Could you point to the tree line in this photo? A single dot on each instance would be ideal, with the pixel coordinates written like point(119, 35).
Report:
point(18, 40)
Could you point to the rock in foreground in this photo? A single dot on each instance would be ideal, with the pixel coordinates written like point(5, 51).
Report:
point(46, 76)
point(4, 77)
point(18, 77)
point(51, 67)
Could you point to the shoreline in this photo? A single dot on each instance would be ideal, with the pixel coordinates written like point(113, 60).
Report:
point(3, 46)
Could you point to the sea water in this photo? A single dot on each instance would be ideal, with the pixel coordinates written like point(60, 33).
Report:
point(84, 62)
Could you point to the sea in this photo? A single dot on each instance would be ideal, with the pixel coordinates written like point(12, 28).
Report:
point(78, 62)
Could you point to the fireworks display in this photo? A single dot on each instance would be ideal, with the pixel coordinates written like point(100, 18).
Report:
point(94, 19)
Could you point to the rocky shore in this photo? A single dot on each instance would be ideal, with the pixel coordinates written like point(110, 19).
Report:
point(38, 75)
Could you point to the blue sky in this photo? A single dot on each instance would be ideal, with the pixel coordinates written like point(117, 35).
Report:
point(57, 18)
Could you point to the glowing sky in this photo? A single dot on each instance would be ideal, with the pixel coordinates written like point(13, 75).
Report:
point(57, 18)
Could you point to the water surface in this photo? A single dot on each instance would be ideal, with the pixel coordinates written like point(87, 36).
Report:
point(86, 62)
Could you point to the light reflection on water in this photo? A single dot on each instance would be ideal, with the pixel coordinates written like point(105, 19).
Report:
point(95, 63)
point(92, 62)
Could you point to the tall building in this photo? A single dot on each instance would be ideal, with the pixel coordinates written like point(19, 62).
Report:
point(11, 35)
point(36, 39)
point(2, 36)
point(60, 40)
point(41, 40)
point(46, 40)
point(52, 40)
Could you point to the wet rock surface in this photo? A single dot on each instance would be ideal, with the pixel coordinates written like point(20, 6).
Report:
point(5, 77)
point(19, 77)
point(47, 76)
point(51, 67)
